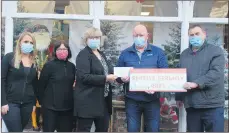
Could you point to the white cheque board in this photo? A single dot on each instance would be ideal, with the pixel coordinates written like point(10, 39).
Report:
point(158, 80)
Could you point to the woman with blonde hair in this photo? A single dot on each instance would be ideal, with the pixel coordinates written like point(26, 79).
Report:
point(93, 96)
point(18, 83)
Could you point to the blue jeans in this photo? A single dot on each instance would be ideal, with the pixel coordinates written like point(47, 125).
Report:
point(208, 120)
point(150, 110)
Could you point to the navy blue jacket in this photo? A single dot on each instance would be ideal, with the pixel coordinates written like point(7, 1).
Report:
point(152, 57)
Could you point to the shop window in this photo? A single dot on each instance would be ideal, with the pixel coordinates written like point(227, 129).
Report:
point(211, 8)
point(60, 7)
point(142, 8)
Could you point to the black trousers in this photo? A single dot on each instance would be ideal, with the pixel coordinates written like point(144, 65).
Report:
point(208, 120)
point(18, 116)
point(57, 120)
point(101, 123)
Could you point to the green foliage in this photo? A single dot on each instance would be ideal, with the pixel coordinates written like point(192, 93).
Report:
point(112, 30)
point(172, 48)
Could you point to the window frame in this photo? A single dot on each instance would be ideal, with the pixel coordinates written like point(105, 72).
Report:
point(96, 13)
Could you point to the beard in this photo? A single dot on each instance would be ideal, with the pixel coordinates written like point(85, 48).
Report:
point(42, 40)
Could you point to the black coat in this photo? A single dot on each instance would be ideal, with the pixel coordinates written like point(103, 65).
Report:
point(56, 85)
point(90, 83)
point(16, 85)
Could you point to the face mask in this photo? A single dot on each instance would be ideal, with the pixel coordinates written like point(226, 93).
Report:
point(26, 48)
point(62, 54)
point(195, 41)
point(94, 43)
point(139, 41)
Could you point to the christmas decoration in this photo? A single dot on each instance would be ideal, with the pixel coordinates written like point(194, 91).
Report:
point(112, 31)
point(139, 1)
point(41, 34)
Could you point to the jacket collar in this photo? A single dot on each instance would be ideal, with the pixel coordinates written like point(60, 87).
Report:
point(201, 48)
point(133, 48)
point(90, 51)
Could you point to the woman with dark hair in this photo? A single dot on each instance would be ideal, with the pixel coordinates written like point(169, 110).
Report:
point(56, 90)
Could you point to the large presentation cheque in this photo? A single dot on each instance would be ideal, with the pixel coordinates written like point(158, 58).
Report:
point(158, 80)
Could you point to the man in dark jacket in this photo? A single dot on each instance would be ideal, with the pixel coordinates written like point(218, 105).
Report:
point(141, 55)
point(204, 100)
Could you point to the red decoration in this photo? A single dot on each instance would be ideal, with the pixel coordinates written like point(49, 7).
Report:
point(139, 1)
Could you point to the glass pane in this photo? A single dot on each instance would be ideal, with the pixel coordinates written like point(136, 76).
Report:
point(211, 8)
point(217, 34)
point(57, 29)
point(119, 37)
point(144, 8)
point(59, 7)
point(3, 37)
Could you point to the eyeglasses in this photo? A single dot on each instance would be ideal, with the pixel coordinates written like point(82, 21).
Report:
point(62, 49)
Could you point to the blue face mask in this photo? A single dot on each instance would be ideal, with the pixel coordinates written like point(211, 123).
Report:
point(26, 48)
point(139, 41)
point(195, 41)
point(94, 43)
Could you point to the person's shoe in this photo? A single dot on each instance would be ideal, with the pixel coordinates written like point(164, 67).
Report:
point(36, 129)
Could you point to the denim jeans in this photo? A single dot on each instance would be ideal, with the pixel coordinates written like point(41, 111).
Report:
point(208, 120)
point(150, 110)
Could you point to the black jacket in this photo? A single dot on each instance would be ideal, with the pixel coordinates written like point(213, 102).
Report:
point(56, 85)
point(16, 85)
point(90, 83)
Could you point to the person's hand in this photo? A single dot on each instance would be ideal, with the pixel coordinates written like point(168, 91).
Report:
point(150, 92)
point(190, 85)
point(5, 109)
point(179, 103)
point(111, 78)
point(34, 108)
point(125, 79)
point(39, 74)
point(74, 84)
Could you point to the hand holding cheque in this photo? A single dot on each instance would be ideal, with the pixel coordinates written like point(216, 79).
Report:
point(154, 80)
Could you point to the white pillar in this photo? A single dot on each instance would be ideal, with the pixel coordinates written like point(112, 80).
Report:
point(9, 9)
point(187, 12)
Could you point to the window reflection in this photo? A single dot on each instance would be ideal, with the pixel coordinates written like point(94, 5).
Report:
point(144, 8)
point(59, 7)
point(211, 8)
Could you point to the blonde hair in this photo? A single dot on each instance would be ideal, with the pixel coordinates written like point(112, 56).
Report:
point(93, 32)
point(17, 55)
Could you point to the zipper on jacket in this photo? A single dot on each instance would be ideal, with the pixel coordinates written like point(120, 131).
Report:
point(23, 91)
point(65, 70)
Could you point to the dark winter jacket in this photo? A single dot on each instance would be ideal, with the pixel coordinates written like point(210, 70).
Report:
point(206, 68)
point(56, 85)
point(90, 83)
point(17, 86)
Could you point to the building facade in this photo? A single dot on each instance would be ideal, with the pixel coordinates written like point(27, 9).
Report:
point(167, 23)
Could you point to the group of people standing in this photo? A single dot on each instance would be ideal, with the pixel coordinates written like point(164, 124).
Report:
point(90, 98)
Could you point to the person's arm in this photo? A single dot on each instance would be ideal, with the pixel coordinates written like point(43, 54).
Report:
point(162, 60)
point(216, 71)
point(4, 71)
point(35, 87)
point(74, 73)
point(120, 64)
point(83, 69)
point(43, 81)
